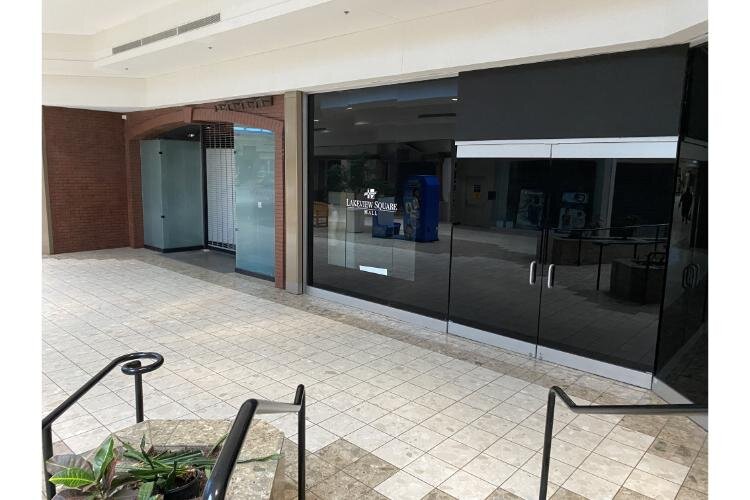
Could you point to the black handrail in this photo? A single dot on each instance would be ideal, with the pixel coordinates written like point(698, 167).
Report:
point(133, 367)
point(218, 482)
point(675, 409)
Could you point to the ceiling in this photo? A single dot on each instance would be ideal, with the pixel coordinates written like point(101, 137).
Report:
point(87, 17)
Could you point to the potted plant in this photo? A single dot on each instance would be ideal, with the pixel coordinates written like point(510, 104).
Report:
point(127, 473)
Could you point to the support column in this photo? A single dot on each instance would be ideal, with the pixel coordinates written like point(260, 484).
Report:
point(293, 183)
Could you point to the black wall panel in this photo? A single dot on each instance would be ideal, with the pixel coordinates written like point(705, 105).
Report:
point(627, 94)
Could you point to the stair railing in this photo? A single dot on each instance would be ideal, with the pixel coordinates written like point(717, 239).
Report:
point(218, 483)
point(132, 367)
point(554, 392)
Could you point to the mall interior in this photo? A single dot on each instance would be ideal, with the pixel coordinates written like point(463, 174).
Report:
point(466, 168)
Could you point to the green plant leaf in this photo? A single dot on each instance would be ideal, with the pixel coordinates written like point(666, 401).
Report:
point(103, 457)
point(60, 462)
point(73, 477)
point(145, 491)
point(218, 444)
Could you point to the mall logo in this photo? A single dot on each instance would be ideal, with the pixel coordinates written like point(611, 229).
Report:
point(371, 206)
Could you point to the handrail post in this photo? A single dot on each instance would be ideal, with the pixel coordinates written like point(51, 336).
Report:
point(299, 399)
point(138, 379)
point(50, 488)
point(547, 451)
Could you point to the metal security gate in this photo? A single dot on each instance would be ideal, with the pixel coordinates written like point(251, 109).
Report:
point(218, 141)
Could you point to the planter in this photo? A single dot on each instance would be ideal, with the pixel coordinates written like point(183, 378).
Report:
point(250, 480)
point(187, 491)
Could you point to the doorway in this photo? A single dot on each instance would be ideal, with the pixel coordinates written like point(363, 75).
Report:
point(212, 187)
point(559, 250)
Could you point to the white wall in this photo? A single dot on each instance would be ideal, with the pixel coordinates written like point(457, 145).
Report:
point(494, 34)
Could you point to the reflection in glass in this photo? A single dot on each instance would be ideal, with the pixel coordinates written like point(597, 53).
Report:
point(499, 209)
point(608, 225)
point(380, 184)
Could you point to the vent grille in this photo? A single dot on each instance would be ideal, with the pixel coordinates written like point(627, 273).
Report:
point(159, 36)
point(193, 25)
point(127, 46)
point(199, 23)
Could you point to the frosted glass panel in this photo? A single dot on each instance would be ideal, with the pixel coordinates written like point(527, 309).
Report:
point(153, 233)
point(182, 191)
point(254, 200)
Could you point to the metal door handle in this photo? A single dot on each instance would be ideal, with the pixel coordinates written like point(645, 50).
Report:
point(551, 276)
point(532, 272)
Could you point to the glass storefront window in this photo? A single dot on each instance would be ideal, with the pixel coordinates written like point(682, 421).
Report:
point(380, 189)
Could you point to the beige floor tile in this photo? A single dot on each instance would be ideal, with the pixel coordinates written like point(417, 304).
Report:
point(674, 452)
point(475, 437)
point(462, 412)
point(403, 486)
point(435, 400)
point(465, 486)
point(366, 412)
point(665, 469)
point(526, 437)
point(422, 438)
point(590, 486)
point(340, 486)
point(606, 468)
point(688, 494)
point(634, 439)
point(510, 452)
point(493, 424)
point(628, 494)
point(592, 424)
point(430, 469)
point(371, 470)
point(341, 424)
point(341, 453)
point(559, 471)
point(317, 438)
point(397, 453)
point(526, 486)
point(388, 401)
point(651, 486)
point(575, 435)
point(563, 494)
point(490, 469)
point(620, 452)
point(393, 424)
point(510, 412)
point(453, 452)
point(415, 412)
point(445, 425)
point(568, 453)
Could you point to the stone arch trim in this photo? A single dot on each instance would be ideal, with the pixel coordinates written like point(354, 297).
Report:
point(167, 120)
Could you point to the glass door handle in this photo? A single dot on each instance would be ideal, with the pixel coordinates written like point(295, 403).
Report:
point(551, 276)
point(532, 272)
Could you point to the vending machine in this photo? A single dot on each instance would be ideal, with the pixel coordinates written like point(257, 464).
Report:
point(421, 208)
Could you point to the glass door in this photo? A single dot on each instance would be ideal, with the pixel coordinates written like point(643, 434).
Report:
point(254, 201)
point(608, 215)
point(682, 359)
point(498, 212)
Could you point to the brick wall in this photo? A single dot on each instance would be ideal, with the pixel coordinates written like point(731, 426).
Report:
point(85, 161)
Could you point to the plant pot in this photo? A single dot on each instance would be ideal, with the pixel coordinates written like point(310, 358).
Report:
point(187, 491)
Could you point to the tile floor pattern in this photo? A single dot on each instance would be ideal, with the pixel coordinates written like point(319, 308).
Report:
point(394, 411)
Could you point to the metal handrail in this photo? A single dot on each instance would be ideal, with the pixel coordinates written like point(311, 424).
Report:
point(673, 409)
point(133, 367)
point(218, 482)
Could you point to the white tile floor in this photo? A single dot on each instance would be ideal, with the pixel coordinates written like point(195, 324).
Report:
point(410, 396)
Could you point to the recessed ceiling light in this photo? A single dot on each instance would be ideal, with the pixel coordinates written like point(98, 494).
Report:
point(362, 123)
point(191, 135)
point(454, 99)
point(316, 120)
point(348, 108)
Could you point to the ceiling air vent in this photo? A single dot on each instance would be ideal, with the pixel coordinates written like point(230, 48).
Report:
point(193, 25)
point(198, 23)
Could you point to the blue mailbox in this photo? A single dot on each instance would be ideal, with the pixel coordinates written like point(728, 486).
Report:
point(421, 208)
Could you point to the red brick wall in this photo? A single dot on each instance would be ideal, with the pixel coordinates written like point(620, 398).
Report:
point(85, 155)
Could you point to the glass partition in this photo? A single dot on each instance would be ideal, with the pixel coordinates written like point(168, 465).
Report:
point(254, 203)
